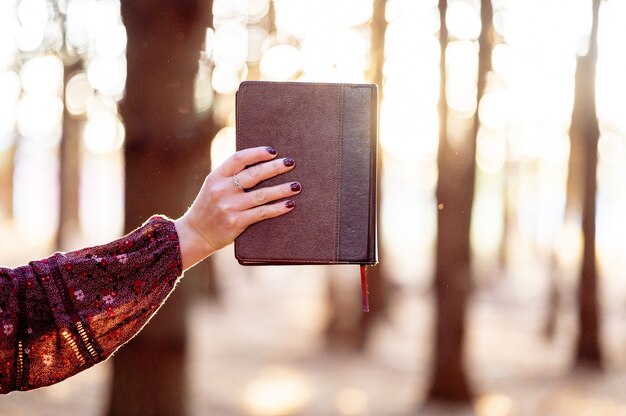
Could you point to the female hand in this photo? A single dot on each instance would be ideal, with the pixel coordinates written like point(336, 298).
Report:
point(223, 210)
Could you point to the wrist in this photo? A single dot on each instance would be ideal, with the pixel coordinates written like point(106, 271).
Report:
point(193, 246)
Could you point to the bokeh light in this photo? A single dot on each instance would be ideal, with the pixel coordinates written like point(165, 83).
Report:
point(103, 133)
point(39, 115)
point(78, 93)
point(11, 89)
point(277, 391)
point(351, 401)
point(463, 20)
point(42, 75)
point(281, 63)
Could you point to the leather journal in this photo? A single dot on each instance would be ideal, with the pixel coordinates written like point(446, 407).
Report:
point(330, 130)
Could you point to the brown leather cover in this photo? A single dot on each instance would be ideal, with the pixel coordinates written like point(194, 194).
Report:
point(331, 132)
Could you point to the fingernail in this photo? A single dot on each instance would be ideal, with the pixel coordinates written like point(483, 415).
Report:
point(295, 186)
point(290, 204)
point(271, 150)
point(288, 161)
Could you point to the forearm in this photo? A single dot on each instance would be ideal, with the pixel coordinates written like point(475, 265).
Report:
point(63, 314)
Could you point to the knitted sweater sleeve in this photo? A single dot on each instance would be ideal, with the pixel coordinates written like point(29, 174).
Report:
point(63, 314)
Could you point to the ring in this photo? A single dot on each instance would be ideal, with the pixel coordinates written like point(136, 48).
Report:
point(237, 184)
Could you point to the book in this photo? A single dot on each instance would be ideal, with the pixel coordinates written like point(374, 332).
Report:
point(330, 129)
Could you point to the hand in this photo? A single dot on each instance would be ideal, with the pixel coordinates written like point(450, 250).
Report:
point(223, 210)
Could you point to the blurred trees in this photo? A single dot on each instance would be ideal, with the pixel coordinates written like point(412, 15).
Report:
point(455, 197)
point(452, 272)
point(6, 182)
point(69, 166)
point(167, 154)
point(584, 134)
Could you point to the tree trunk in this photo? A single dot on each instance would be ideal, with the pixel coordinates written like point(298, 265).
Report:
point(585, 132)
point(166, 153)
point(552, 311)
point(455, 194)
point(353, 333)
point(7, 165)
point(69, 165)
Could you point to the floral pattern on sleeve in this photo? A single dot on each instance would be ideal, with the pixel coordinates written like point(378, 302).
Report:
point(63, 314)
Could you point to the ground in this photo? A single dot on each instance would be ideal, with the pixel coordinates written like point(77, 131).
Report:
point(260, 351)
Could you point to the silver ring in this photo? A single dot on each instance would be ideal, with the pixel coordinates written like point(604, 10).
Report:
point(237, 184)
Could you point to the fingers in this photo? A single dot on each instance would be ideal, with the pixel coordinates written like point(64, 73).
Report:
point(267, 211)
point(257, 173)
point(270, 194)
point(239, 160)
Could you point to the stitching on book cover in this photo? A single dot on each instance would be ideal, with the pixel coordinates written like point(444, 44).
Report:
point(339, 150)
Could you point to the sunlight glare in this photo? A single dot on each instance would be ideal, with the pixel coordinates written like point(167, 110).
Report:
point(230, 47)
point(42, 75)
point(101, 208)
point(281, 63)
point(29, 39)
point(33, 13)
point(222, 145)
point(408, 134)
point(77, 94)
point(494, 109)
point(611, 148)
point(36, 213)
point(39, 115)
point(414, 10)
point(254, 10)
point(33, 16)
point(490, 151)
point(111, 43)
point(11, 89)
point(353, 12)
point(103, 133)
point(202, 91)
point(257, 39)
point(77, 25)
point(108, 75)
point(209, 42)
point(226, 79)
point(611, 84)
point(462, 61)
point(463, 20)
point(225, 11)
point(528, 142)
point(8, 27)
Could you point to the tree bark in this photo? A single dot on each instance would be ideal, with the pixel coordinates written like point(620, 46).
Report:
point(585, 132)
point(69, 169)
point(166, 158)
point(455, 195)
point(7, 167)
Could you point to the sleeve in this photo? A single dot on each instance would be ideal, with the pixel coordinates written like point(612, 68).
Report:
point(63, 314)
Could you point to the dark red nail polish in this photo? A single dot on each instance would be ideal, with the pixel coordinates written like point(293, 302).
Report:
point(288, 161)
point(295, 186)
point(290, 204)
point(271, 150)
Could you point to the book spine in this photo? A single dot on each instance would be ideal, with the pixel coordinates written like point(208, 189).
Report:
point(357, 181)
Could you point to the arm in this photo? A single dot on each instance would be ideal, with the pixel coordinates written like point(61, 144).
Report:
point(63, 314)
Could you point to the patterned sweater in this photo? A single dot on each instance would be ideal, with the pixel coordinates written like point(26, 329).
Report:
point(63, 314)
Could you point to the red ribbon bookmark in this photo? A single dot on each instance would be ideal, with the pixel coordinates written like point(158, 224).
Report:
point(364, 292)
